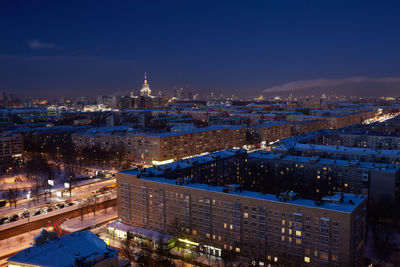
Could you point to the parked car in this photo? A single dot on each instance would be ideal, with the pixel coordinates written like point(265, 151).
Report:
point(37, 212)
point(14, 218)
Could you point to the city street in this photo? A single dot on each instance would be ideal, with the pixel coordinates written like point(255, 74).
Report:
point(47, 220)
point(78, 191)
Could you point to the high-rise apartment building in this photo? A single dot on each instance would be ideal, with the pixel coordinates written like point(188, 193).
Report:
point(11, 145)
point(278, 229)
point(149, 148)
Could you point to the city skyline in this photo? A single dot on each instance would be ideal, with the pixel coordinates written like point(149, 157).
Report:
point(230, 48)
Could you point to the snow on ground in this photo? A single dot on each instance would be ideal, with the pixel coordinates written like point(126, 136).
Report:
point(75, 224)
point(83, 187)
point(17, 243)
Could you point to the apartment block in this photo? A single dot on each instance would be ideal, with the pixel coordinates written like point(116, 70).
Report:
point(151, 148)
point(272, 131)
point(277, 229)
point(11, 145)
point(315, 176)
point(341, 152)
point(363, 138)
point(307, 126)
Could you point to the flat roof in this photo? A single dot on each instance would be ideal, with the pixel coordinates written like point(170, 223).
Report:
point(64, 250)
point(344, 149)
point(346, 206)
point(325, 161)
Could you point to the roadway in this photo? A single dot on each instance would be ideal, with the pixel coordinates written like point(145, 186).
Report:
point(49, 220)
point(78, 192)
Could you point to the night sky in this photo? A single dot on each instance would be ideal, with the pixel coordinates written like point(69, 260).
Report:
point(74, 48)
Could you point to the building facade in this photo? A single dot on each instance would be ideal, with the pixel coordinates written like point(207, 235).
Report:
point(263, 227)
point(11, 145)
point(148, 148)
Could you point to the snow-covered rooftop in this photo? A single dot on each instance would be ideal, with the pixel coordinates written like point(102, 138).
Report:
point(350, 201)
point(325, 161)
point(344, 149)
point(65, 250)
point(145, 233)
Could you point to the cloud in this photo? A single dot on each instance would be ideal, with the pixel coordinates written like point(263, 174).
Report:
point(36, 44)
point(329, 83)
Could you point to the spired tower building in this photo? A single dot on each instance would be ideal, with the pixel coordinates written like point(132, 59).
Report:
point(145, 91)
point(145, 100)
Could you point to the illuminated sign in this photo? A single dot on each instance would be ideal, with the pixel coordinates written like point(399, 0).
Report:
point(155, 162)
point(188, 242)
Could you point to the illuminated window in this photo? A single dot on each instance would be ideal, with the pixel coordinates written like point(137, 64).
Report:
point(207, 235)
point(283, 238)
point(324, 256)
point(290, 231)
point(298, 241)
point(307, 259)
point(194, 232)
point(283, 222)
point(283, 230)
point(245, 215)
point(238, 250)
point(225, 225)
point(275, 259)
point(346, 185)
point(298, 233)
point(231, 227)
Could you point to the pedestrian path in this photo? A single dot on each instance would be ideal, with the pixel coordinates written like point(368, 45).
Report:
point(89, 220)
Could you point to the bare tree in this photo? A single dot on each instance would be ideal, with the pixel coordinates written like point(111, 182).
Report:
point(106, 201)
point(12, 196)
point(82, 208)
point(92, 203)
point(126, 247)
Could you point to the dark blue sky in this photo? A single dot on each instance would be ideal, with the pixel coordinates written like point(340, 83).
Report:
point(88, 48)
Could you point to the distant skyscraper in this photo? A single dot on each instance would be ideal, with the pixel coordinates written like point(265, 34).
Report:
point(190, 95)
point(180, 93)
point(212, 97)
point(145, 91)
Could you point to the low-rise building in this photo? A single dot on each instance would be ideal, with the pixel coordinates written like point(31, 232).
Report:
point(75, 249)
